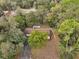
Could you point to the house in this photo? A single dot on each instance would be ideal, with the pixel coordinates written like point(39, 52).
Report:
point(28, 31)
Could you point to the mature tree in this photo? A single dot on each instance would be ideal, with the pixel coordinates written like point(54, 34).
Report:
point(8, 4)
point(25, 3)
point(22, 23)
point(56, 1)
point(62, 11)
point(69, 35)
point(10, 38)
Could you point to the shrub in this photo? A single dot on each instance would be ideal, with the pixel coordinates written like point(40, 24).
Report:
point(10, 38)
point(21, 19)
point(69, 35)
point(63, 11)
point(53, 17)
point(37, 39)
point(7, 50)
point(8, 5)
point(31, 18)
point(26, 4)
point(25, 20)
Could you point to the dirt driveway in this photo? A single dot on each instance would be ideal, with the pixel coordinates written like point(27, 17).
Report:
point(50, 51)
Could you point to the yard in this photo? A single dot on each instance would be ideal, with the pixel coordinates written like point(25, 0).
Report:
point(49, 51)
point(39, 29)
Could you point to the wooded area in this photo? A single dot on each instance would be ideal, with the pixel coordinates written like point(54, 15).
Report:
point(62, 16)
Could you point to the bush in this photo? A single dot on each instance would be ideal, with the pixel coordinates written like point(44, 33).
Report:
point(7, 50)
point(26, 4)
point(53, 17)
point(27, 20)
point(8, 5)
point(10, 38)
point(69, 35)
point(21, 19)
point(62, 11)
point(37, 39)
point(32, 19)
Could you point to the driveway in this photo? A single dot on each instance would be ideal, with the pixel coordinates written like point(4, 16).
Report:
point(50, 51)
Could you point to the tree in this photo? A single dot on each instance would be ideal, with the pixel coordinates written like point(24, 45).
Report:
point(53, 17)
point(22, 23)
point(62, 11)
point(32, 19)
point(56, 1)
point(7, 5)
point(7, 50)
point(25, 3)
point(10, 38)
point(37, 39)
point(69, 35)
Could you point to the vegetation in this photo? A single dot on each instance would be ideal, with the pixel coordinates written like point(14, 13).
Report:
point(11, 38)
point(62, 11)
point(37, 39)
point(69, 44)
point(22, 23)
point(62, 15)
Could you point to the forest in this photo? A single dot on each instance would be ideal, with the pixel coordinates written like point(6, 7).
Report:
point(40, 17)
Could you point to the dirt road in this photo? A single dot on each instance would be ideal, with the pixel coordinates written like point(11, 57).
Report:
point(50, 51)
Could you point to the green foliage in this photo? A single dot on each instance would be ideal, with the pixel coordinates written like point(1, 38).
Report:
point(63, 16)
point(53, 17)
point(10, 38)
point(68, 26)
point(8, 5)
point(15, 36)
point(25, 3)
point(44, 3)
point(31, 18)
point(70, 1)
point(62, 11)
point(69, 35)
point(37, 39)
point(28, 20)
point(8, 51)
point(21, 19)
